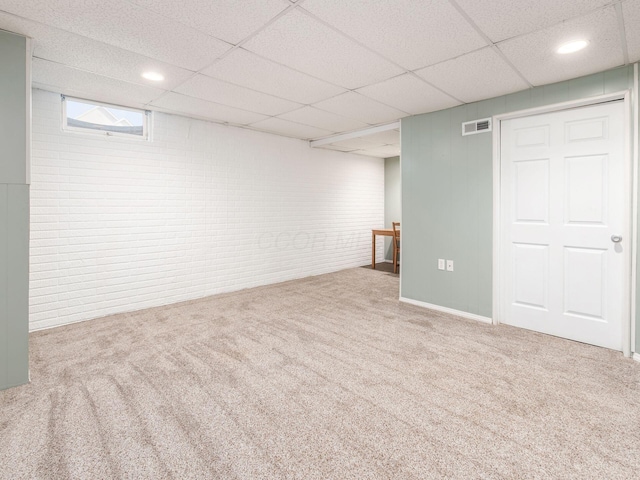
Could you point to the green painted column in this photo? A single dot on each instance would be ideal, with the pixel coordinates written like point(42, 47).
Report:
point(15, 117)
point(392, 211)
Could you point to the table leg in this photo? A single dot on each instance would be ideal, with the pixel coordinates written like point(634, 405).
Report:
point(373, 251)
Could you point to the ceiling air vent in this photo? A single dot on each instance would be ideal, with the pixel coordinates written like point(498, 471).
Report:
point(477, 126)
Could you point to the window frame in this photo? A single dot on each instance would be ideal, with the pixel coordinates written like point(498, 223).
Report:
point(146, 120)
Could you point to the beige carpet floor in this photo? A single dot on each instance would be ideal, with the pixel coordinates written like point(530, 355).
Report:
point(328, 377)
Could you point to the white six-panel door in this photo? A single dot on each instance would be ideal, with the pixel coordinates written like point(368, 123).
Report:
point(562, 207)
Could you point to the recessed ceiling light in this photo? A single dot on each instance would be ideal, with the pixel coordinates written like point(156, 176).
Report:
point(572, 46)
point(153, 76)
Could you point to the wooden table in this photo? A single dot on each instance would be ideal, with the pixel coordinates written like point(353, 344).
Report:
point(386, 232)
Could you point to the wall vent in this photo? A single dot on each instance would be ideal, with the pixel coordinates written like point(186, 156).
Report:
point(477, 126)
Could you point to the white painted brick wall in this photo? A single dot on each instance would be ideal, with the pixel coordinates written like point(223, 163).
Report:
point(120, 225)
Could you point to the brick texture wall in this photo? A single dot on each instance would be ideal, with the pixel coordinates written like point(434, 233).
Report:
point(119, 225)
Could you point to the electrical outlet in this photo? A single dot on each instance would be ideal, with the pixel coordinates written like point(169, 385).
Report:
point(449, 265)
point(441, 264)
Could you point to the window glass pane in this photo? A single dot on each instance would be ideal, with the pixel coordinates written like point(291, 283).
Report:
point(82, 114)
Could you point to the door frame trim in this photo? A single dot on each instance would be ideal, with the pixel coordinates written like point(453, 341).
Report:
point(630, 169)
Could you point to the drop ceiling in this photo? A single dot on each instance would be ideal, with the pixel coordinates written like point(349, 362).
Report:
point(310, 69)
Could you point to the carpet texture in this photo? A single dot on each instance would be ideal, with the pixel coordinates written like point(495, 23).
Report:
point(325, 377)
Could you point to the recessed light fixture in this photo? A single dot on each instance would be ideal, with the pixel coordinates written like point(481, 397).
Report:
point(572, 46)
point(153, 76)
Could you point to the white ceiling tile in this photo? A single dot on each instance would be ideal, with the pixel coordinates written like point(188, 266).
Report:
point(70, 81)
point(354, 105)
point(502, 19)
point(357, 143)
point(229, 20)
point(337, 148)
point(475, 76)
point(97, 57)
point(225, 93)
point(128, 26)
point(412, 33)
point(195, 107)
point(534, 54)
point(384, 138)
point(322, 119)
point(409, 94)
point(289, 129)
point(252, 71)
point(300, 42)
point(97, 50)
point(631, 15)
point(368, 142)
point(381, 152)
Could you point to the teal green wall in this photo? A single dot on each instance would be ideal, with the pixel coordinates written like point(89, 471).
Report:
point(392, 199)
point(13, 114)
point(447, 193)
point(15, 89)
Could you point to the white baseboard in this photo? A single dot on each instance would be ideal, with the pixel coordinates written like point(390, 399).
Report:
point(636, 357)
point(458, 313)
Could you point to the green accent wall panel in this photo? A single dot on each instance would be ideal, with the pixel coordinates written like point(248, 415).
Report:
point(4, 278)
point(483, 150)
point(462, 199)
point(15, 88)
point(17, 284)
point(618, 79)
point(555, 93)
point(584, 87)
point(392, 211)
point(13, 113)
point(447, 193)
point(518, 101)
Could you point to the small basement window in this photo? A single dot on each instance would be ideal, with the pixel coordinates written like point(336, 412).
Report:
point(104, 119)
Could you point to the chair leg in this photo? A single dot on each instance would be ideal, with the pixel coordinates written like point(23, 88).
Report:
point(395, 258)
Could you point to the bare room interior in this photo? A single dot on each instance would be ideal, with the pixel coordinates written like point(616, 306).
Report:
point(303, 239)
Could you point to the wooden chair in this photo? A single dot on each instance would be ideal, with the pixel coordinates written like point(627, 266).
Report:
point(396, 246)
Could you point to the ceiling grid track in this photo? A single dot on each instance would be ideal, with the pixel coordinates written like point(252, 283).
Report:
point(234, 47)
point(357, 42)
point(490, 42)
point(623, 34)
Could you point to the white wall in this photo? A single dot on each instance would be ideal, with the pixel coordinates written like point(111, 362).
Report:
point(119, 225)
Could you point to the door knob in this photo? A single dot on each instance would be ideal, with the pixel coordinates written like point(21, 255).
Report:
point(616, 238)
